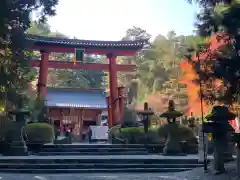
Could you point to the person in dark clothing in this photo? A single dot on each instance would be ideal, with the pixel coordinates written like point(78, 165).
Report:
point(89, 135)
point(83, 136)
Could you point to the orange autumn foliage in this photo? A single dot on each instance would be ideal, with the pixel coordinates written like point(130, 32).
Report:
point(194, 103)
point(158, 102)
point(189, 75)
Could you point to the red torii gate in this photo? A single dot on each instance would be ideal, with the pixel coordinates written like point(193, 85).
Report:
point(111, 49)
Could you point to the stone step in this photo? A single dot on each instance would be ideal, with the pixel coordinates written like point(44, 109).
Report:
point(93, 166)
point(92, 153)
point(103, 149)
point(115, 170)
point(94, 159)
point(155, 148)
point(71, 146)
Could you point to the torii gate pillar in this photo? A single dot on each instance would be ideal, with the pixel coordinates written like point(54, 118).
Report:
point(43, 72)
point(113, 87)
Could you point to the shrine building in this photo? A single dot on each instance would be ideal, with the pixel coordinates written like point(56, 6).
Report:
point(75, 108)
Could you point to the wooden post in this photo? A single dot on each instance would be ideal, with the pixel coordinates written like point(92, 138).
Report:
point(146, 118)
point(113, 86)
point(43, 72)
point(121, 102)
point(109, 112)
point(201, 147)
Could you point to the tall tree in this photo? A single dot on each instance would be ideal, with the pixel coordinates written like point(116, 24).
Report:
point(221, 18)
point(14, 21)
point(134, 33)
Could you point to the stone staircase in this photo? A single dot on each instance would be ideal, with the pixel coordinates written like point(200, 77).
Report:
point(96, 158)
point(93, 149)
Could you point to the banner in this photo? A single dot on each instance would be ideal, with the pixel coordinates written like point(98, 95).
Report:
point(99, 132)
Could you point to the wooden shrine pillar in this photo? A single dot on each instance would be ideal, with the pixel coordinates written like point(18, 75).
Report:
point(113, 86)
point(121, 102)
point(43, 72)
point(109, 108)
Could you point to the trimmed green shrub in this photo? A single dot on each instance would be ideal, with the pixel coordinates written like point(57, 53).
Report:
point(183, 132)
point(113, 134)
point(175, 134)
point(185, 139)
point(135, 135)
point(152, 137)
point(131, 135)
point(39, 133)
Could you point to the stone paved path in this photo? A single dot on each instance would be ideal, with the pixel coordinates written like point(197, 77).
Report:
point(196, 174)
point(89, 177)
point(193, 175)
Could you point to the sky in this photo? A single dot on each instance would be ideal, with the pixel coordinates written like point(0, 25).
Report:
point(109, 19)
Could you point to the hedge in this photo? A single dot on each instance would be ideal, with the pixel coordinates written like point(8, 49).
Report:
point(156, 136)
point(132, 135)
point(39, 133)
point(183, 132)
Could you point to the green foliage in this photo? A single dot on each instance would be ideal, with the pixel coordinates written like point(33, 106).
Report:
point(136, 135)
point(14, 65)
point(133, 92)
point(39, 133)
point(152, 137)
point(175, 134)
point(35, 107)
point(113, 132)
point(224, 19)
point(182, 132)
point(158, 66)
point(132, 135)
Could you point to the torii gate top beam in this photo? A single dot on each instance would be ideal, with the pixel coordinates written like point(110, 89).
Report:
point(64, 45)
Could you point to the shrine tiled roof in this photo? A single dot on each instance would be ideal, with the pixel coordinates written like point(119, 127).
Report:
point(66, 97)
point(43, 40)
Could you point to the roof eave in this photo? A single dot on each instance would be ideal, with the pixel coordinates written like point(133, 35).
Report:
point(73, 43)
point(90, 46)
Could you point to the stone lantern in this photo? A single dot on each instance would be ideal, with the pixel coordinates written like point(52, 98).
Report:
point(18, 136)
point(217, 124)
point(173, 143)
point(145, 116)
